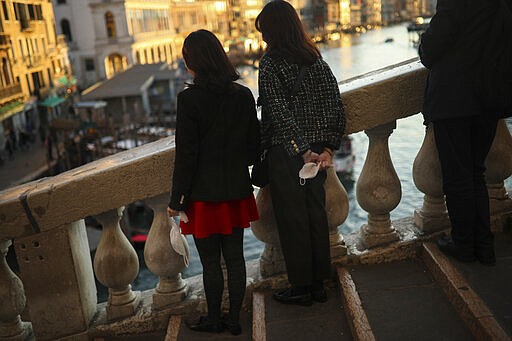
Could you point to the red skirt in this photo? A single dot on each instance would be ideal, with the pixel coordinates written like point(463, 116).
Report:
point(206, 218)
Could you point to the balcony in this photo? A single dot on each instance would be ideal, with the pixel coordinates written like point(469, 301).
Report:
point(5, 40)
point(10, 92)
point(44, 220)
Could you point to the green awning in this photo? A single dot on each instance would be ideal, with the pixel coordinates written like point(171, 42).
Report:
point(67, 80)
point(52, 101)
point(11, 109)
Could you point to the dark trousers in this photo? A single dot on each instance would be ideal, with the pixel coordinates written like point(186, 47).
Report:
point(301, 219)
point(210, 249)
point(463, 145)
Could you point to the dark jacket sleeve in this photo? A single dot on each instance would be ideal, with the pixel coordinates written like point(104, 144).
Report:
point(442, 33)
point(275, 102)
point(253, 136)
point(187, 151)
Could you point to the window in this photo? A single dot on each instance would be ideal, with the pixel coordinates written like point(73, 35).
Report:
point(110, 25)
point(66, 29)
point(89, 64)
point(61, 2)
point(31, 12)
point(6, 12)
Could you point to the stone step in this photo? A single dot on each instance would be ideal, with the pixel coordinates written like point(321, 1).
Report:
point(493, 284)
point(398, 301)
point(321, 321)
point(178, 331)
point(478, 317)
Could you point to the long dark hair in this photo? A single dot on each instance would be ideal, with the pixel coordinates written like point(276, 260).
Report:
point(284, 33)
point(205, 56)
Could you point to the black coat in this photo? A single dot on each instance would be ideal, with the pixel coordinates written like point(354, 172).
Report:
point(217, 138)
point(452, 49)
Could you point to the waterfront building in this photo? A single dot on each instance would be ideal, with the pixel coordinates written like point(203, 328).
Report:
point(420, 8)
point(355, 12)
point(371, 12)
point(389, 13)
point(345, 13)
point(34, 68)
point(106, 37)
point(189, 16)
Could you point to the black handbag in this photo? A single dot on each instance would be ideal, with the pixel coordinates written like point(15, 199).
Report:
point(259, 173)
point(260, 170)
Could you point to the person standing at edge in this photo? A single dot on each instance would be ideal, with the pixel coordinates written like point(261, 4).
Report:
point(298, 129)
point(452, 49)
point(217, 139)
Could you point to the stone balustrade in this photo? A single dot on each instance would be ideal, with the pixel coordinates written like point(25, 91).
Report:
point(45, 218)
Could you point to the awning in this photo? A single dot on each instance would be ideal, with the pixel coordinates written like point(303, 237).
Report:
point(11, 109)
point(52, 101)
point(67, 80)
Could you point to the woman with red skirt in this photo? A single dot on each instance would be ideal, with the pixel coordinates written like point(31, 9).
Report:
point(217, 139)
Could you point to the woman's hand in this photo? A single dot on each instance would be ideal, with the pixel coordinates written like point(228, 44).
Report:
point(325, 159)
point(172, 213)
point(310, 156)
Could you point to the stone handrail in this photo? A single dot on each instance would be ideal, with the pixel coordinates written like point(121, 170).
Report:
point(45, 218)
point(144, 172)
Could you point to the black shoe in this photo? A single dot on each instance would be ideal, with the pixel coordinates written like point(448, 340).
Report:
point(204, 325)
point(233, 327)
point(318, 292)
point(293, 296)
point(486, 255)
point(319, 296)
point(461, 253)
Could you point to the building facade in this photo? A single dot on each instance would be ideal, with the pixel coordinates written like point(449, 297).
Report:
point(106, 37)
point(34, 65)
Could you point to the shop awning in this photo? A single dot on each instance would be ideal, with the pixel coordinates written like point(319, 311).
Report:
point(52, 101)
point(11, 109)
point(67, 80)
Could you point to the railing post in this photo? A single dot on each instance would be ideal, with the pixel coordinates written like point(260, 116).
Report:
point(336, 205)
point(428, 178)
point(116, 266)
point(57, 274)
point(378, 189)
point(499, 168)
point(265, 229)
point(12, 297)
point(161, 259)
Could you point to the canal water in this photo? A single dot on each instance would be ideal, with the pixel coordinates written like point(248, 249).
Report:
point(352, 55)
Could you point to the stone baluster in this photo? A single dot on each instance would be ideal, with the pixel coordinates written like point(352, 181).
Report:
point(12, 297)
point(116, 266)
point(161, 258)
point(265, 229)
point(499, 168)
point(336, 205)
point(378, 189)
point(428, 178)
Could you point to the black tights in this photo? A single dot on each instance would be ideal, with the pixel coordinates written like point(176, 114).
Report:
point(213, 280)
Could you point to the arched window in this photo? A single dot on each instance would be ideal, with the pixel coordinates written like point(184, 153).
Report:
point(110, 24)
point(66, 29)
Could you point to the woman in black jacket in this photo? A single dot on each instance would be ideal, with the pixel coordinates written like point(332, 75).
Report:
point(296, 129)
point(217, 138)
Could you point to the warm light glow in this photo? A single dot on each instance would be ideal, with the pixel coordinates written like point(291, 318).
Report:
point(220, 6)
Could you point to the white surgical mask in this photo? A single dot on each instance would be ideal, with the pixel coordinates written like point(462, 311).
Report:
point(308, 171)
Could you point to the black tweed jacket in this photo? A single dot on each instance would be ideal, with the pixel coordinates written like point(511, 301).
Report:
point(315, 115)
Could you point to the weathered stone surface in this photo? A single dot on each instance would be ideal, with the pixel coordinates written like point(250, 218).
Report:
point(57, 274)
point(383, 96)
point(356, 317)
point(96, 187)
